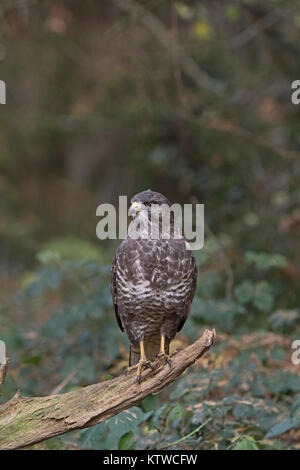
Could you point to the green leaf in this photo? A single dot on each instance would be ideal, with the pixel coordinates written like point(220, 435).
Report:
point(48, 256)
point(33, 360)
point(91, 438)
point(68, 248)
point(184, 11)
point(232, 12)
point(263, 297)
point(241, 410)
point(127, 441)
point(295, 406)
point(265, 261)
point(244, 292)
point(126, 421)
point(282, 318)
point(149, 403)
point(123, 423)
point(260, 294)
point(202, 30)
point(175, 414)
point(246, 443)
point(283, 426)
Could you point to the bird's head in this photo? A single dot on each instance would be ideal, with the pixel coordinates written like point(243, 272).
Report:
point(144, 202)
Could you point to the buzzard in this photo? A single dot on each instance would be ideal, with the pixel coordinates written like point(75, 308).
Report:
point(153, 283)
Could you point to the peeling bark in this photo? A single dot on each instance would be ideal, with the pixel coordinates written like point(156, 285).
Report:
point(25, 421)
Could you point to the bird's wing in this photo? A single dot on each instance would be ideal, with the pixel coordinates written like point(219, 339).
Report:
point(113, 289)
point(193, 274)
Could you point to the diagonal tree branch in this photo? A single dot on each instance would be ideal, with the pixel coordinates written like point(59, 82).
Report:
point(25, 421)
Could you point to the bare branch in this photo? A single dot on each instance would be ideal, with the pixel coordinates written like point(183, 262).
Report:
point(237, 131)
point(26, 421)
point(64, 382)
point(164, 36)
point(270, 18)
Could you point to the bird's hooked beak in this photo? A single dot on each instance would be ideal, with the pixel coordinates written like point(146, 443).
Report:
point(135, 208)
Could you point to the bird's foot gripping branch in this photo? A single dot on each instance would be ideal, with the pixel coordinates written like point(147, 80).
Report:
point(25, 421)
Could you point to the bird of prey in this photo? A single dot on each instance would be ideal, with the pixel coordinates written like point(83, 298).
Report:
point(153, 283)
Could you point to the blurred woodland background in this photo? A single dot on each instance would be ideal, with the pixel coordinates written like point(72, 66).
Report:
point(188, 98)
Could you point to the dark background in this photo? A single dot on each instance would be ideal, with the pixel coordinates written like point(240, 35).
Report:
point(191, 99)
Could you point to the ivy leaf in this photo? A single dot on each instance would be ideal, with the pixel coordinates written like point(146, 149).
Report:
point(149, 403)
point(260, 294)
point(91, 438)
point(244, 292)
point(282, 318)
point(246, 443)
point(283, 426)
point(265, 261)
point(127, 441)
point(175, 414)
point(263, 297)
point(124, 423)
point(295, 406)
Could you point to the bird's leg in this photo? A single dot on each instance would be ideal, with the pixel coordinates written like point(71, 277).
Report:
point(162, 351)
point(143, 363)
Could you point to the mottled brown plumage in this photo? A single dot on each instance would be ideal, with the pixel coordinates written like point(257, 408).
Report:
point(153, 284)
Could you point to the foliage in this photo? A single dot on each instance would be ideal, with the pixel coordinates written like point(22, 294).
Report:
point(244, 396)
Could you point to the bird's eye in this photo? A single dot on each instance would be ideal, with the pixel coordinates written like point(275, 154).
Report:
point(150, 204)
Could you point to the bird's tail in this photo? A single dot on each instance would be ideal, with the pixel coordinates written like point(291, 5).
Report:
point(134, 356)
point(151, 349)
